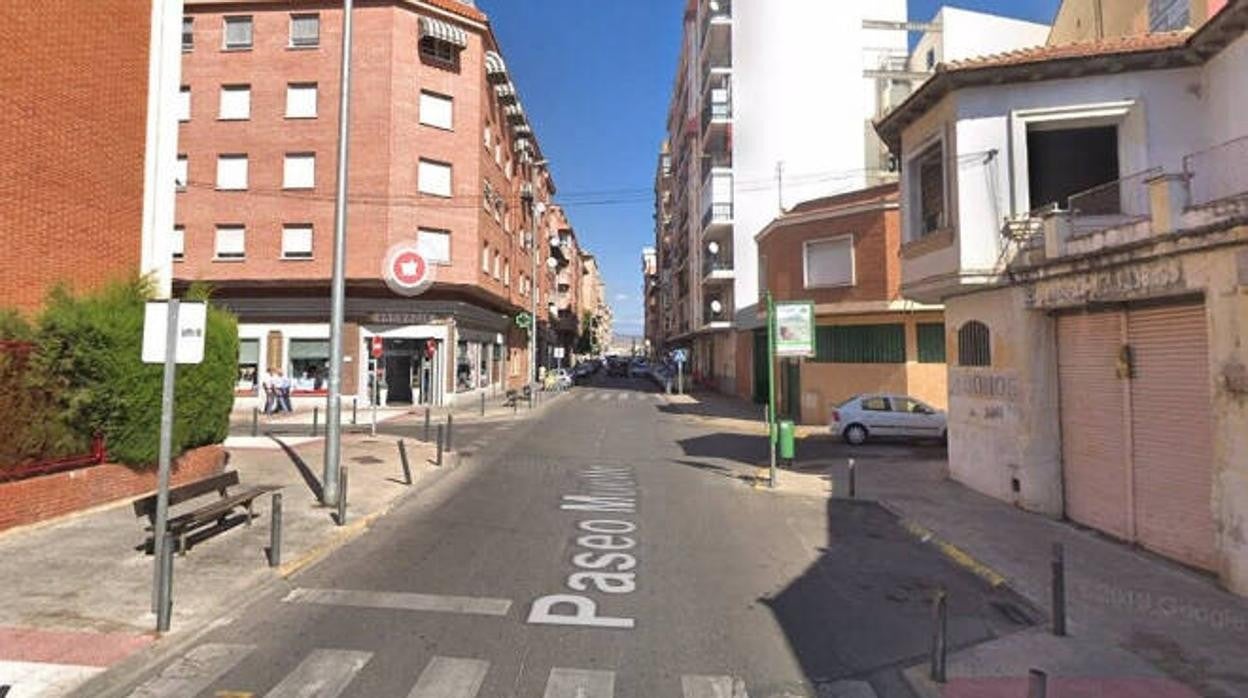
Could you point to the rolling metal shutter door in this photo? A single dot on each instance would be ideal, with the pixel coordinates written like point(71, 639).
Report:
point(1172, 429)
point(1094, 471)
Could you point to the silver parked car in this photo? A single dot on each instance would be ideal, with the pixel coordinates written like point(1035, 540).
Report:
point(865, 416)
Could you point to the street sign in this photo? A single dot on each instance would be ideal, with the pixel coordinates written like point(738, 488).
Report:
point(559, 352)
point(189, 347)
point(524, 321)
point(377, 348)
point(406, 271)
point(680, 356)
point(795, 328)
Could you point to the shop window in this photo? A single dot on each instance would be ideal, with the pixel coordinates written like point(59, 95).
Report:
point(974, 344)
point(931, 336)
point(463, 368)
point(309, 364)
point(483, 364)
point(861, 344)
point(1066, 161)
point(248, 363)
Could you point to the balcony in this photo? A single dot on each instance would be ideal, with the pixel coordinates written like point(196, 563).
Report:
point(717, 113)
point(717, 313)
point(717, 269)
point(715, 31)
point(717, 214)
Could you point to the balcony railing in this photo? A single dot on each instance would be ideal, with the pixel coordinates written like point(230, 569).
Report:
point(715, 111)
point(717, 213)
point(715, 9)
point(1112, 204)
point(716, 263)
point(1219, 173)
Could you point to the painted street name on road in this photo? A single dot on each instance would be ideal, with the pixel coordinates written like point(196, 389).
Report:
point(604, 567)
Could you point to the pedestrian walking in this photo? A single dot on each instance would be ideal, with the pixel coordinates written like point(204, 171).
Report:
point(283, 392)
point(269, 386)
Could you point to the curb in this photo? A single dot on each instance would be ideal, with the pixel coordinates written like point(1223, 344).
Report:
point(957, 555)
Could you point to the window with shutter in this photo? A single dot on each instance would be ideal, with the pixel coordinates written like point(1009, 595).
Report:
point(297, 241)
point(974, 344)
point(436, 110)
point(181, 173)
point(232, 172)
point(434, 178)
point(235, 103)
point(830, 262)
point(230, 243)
point(434, 245)
point(305, 30)
point(177, 245)
point(301, 100)
point(931, 340)
point(184, 103)
point(238, 32)
point(299, 171)
point(188, 33)
point(485, 258)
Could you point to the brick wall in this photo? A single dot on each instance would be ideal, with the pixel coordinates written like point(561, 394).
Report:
point(74, 80)
point(49, 496)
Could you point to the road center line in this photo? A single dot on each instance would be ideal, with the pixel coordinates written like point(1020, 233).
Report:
point(436, 603)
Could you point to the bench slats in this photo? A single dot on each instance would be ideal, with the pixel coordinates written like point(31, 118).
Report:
point(147, 505)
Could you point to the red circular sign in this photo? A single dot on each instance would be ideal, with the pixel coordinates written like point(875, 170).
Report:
point(406, 271)
point(377, 348)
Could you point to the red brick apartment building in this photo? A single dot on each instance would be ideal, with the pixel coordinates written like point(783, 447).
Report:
point(441, 154)
point(86, 159)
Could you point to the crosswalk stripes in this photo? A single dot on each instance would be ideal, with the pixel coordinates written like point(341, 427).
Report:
point(322, 674)
point(194, 672)
point(401, 601)
point(712, 687)
point(450, 677)
point(579, 683)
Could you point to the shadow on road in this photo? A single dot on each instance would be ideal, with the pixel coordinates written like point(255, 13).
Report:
point(309, 478)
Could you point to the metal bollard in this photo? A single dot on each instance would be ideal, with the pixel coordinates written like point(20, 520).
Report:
point(407, 468)
point(316, 418)
point(342, 497)
point(1037, 684)
point(4, 691)
point(940, 622)
point(164, 603)
point(439, 461)
point(255, 421)
point(1058, 567)
point(426, 424)
point(450, 428)
point(275, 531)
point(853, 480)
point(355, 405)
point(482, 404)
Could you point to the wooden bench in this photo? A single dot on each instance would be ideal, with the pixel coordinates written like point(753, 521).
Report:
point(215, 513)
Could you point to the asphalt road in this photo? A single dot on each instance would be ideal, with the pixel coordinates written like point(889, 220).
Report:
point(589, 553)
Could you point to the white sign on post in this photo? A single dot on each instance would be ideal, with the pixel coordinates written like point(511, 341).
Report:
point(192, 319)
point(558, 352)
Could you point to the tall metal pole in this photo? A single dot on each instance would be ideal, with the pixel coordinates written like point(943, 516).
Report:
point(333, 410)
point(533, 286)
point(160, 525)
point(771, 385)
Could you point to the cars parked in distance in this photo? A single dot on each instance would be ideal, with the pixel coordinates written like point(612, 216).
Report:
point(638, 369)
point(866, 416)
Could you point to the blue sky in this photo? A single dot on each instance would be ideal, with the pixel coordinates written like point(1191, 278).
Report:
point(595, 78)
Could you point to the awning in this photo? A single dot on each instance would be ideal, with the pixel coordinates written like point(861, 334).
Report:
point(515, 113)
point(506, 93)
point(523, 144)
point(443, 31)
point(522, 130)
point(495, 68)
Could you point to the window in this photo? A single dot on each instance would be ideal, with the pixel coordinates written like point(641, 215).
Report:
point(1066, 161)
point(177, 245)
point(188, 33)
point(441, 52)
point(486, 137)
point(434, 245)
point(931, 336)
point(498, 266)
point(232, 172)
point(436, 110)
point(875, 404)
point(1168, 15)
point(507, 273)
point(434, 178)
point(297, 241)
point(301, 100)
point(238, 32)
point(305, 30)
point(309, 364)
point(829, 262)
point(910, 405)
point(248, 363)
point(861, 344)
point(184, 103)
point(974, 344)
point(235, 102)
point(230, 242)
point(931, 58)
point(485, 258)
point(299, 171)
point(181, 173)
point(927, 180)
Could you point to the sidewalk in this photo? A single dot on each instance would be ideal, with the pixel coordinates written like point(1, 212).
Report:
point(1138, 625)
point(75, 593)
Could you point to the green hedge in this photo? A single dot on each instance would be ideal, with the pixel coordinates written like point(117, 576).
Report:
point(87, 357)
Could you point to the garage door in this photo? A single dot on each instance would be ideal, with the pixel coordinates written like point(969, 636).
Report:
point(1094, 457)
point(1171, 428)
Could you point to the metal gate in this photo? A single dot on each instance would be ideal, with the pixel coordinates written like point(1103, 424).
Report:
point(1137, 427)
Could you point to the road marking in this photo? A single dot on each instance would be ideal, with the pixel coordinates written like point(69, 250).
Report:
point(624, 396)
point(606, 396)
point(712, 687)
point(194, 671)
point(580, 683)
point(322, 674)
point(449, 677)
point(480, 606)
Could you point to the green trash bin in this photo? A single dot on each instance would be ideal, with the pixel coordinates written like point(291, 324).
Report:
point(787, 436)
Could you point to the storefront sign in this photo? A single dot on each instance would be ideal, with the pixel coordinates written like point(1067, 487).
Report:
point(405, 270)
point(988, 385)
point(795, 329)
point(402, 318)
point(1125, 283)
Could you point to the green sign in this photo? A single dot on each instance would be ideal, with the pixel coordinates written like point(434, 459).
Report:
point(524, 321)
point(795, 328)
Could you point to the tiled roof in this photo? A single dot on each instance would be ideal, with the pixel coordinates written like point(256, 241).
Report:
point(459, 8)
point(1086, 49)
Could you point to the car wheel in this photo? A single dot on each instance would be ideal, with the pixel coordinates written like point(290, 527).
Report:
point(855, 434)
